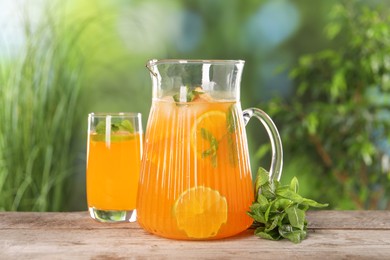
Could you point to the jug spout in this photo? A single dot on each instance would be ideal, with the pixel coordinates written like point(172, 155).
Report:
point(149, 66)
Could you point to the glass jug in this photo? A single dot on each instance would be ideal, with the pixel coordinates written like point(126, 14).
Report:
point(195, 181)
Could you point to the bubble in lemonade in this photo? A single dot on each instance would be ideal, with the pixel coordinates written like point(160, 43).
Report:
point(195, 178)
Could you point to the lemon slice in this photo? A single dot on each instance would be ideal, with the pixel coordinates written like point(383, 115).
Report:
point(200, 212)
point(214, 122)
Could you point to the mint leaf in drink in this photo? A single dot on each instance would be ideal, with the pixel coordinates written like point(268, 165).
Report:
point(231, 126)
point(233, 153)
point(115, 128)
point(212, 151)
point(124, 125)
point(279, 211)
point(188, 94)
point(100, 128)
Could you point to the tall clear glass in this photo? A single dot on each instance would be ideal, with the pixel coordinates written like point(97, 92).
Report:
point(113, 164)
point(196, 181)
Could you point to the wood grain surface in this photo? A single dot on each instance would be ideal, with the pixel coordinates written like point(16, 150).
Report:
point(74, 235)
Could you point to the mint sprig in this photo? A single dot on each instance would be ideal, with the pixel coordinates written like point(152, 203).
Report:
point(124, 125)
point(279, 211)
point(214, 144)
point(230, 120)
point(191, 94)
point(231, 127)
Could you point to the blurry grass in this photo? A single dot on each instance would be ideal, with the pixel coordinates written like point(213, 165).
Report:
point(38, 116)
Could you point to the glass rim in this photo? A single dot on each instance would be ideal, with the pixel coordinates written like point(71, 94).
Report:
point(154, 62)
point(115, 114)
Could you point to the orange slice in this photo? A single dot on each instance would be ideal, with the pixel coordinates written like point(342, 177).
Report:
point(200, 212)
point(213, 124)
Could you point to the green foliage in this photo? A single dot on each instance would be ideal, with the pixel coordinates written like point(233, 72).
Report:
point(279, 211)
point(38, 110)
point(339, 116)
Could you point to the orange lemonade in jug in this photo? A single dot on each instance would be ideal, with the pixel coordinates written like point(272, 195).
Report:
point(196, 181)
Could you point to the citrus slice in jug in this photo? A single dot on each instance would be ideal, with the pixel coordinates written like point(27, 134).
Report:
point(200, 212)
point(207, 132)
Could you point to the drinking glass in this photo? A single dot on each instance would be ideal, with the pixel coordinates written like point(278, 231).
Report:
point(114, 153)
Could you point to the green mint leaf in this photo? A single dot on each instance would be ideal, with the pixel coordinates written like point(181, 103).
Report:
point(266, 214)
point(176, 97)
point(283, 219)
point(296, 217)
point(263, 201)
point(258, 216)
point(207, 153)
point(233, 153)
point(126, 125)
point(255, 208)
point(188, 95)
point(315, 204)
point(294, 185)
point(279, 211)
point(100, 128)
point(214, 144)
point(214, 160)
point(282, 203)
point(274, 223)
point(213, 156)
point(191, 94)
point(268, 190)
point(287, 193)
point(115, 127)
point(262, 177)
point(231, 126)
point(208, 136)
point(304, 207)
point(271, 235)
point(295, 197)
point(293, 234)
point(194, 93)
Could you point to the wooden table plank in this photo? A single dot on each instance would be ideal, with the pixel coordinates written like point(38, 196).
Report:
point(324, 219)
point(332, 219)
point(76, 236)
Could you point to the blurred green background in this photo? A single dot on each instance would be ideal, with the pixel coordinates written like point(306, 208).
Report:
point(321, 69)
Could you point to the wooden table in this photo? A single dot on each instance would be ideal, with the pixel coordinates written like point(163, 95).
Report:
point(73, 235)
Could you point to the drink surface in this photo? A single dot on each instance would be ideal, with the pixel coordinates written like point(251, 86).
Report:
point(195, 178)
point(113, 171)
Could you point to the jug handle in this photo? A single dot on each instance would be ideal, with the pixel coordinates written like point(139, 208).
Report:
point(275, 171)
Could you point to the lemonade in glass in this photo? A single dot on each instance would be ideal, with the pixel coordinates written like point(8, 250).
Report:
point(113, 163)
